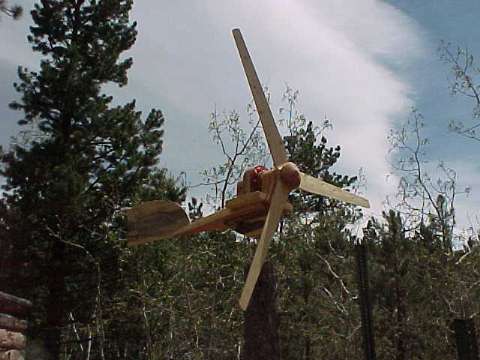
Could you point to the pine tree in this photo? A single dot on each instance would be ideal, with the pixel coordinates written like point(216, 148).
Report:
point(84, 160)
point(316, 257)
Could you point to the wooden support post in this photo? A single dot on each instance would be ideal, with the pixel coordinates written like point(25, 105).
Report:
point(261, 336)
point(13, 305)
point(466, 339)
point(364, 302)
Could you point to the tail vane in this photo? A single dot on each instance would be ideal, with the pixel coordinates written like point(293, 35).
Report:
point(154, 220)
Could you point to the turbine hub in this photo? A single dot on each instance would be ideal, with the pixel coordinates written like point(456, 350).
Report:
point(290, 175)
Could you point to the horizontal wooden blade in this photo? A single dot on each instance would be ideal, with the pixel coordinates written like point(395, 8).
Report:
point(279, 197)
point(316, 186)
point(274, 140)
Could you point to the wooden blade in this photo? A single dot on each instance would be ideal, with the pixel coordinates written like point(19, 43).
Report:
point(274, 140)
point(320, 187)
point(279, 197)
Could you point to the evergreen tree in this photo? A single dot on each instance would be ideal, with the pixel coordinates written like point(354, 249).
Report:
point(85, 159)
point(316, 258)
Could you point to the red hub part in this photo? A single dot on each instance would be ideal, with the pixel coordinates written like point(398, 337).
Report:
point(256, 179)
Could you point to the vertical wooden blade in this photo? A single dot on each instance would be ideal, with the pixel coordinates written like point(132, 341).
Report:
point(280, 196)
point(274, 140)
point(316, 186)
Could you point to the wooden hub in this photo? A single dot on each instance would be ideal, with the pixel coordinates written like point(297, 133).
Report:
point(290, 175)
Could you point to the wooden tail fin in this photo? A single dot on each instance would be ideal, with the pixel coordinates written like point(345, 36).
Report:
point(154, 220)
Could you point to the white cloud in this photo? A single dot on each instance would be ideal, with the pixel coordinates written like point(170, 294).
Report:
point(332, 51)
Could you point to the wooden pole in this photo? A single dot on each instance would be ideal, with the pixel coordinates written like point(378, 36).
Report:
point(466, 339)
point(14, 305)
point(261, 336)
point(365, 304)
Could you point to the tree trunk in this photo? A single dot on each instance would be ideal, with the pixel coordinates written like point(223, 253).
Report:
point(262, 341)
point(55, 305)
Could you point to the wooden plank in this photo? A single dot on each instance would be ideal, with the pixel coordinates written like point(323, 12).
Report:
point(14, 305)
point(12, 340)
point(222, 219)
point(253, 225)
point(8, 322)
point(248, 199)
point(251, 199)
point(11, 355)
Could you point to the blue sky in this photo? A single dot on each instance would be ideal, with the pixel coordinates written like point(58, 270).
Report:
point(454, 22)
point(363, 64)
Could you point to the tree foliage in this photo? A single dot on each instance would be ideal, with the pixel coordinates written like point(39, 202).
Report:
point(84, 159)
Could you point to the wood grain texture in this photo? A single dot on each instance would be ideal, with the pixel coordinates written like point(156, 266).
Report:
point(154, 220)
point(13, 305)
point(11, 355)
point(8, 322)
point(274, 140)
point(247, 199)
point(262, 322)
point(253, 225)
point(279, 198)
point(316, 186)
point(224, 219)
point(12, 340)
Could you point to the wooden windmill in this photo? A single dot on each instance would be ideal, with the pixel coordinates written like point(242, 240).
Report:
point(262, 195)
